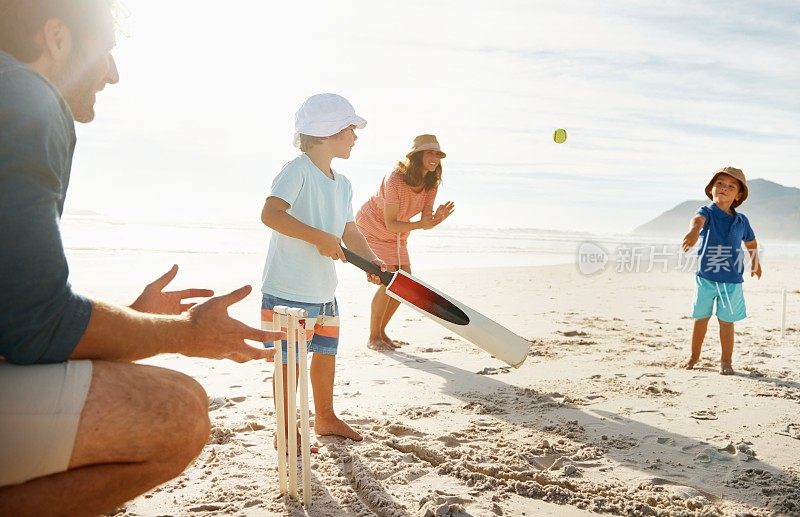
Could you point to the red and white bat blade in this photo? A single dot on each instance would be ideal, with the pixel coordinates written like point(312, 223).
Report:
point(457, 317)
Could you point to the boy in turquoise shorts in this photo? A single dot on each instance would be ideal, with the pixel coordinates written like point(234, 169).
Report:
point(721, 262)
point(310, 210)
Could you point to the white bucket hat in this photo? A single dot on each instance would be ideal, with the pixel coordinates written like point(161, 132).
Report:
point(325, 114)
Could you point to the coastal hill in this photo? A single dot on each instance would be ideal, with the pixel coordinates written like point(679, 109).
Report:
point(773, 211)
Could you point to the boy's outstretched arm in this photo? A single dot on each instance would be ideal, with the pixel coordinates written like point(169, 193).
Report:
point(755, 263)
point(695, 225)
point(274, 215)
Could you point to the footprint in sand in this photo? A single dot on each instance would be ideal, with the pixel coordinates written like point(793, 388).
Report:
point(572, 333)
point(709, 454)
point(655, 411)
point(250, 426)
point(650, 375)
point(791, 430)
point(661, 440)
point(238, 399)
point(219, 435)
point(678, 490)
point(400, 430)
point(216, 402)
point(692, 447)
point(440, 503)
point(704, 414)
point(494, 371)
point(449, 441)
point(419, 412)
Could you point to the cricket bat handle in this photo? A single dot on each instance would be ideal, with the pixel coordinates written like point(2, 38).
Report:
point(365, 265)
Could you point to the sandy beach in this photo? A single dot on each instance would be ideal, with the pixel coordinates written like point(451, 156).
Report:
point(600, 418)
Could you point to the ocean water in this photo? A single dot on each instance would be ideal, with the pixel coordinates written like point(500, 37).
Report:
point(442, 247)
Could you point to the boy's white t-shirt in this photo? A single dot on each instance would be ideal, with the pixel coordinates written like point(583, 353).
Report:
point(294, 269)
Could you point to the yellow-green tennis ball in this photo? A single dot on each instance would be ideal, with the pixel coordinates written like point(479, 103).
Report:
point(559, 136)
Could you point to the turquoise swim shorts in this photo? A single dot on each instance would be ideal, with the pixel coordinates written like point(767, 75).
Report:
point(728, 297)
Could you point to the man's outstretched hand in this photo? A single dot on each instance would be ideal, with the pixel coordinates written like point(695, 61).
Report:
point(215, 335)
point(155, 300)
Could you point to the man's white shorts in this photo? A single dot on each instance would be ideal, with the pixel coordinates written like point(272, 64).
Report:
point(40, 408)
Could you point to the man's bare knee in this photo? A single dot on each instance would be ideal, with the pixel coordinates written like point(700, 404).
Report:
point(199, 416)
point(138, 413)
point(191, 418)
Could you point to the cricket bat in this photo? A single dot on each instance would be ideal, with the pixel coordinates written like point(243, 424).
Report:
point(449, 313)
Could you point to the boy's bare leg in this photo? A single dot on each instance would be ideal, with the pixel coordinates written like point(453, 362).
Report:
point(726, 340)
point(380, 302)
point(698, 335)
point(314, 448)
point(326, 423)
point(140, 427)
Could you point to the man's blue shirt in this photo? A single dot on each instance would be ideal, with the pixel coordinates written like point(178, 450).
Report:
point(721, 257)
point(41, 318)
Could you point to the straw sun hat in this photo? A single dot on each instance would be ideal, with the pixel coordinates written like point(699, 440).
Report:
point(425, 143)
point(735, 173)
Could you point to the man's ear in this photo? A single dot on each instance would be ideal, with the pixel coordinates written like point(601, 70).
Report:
point(55, 39)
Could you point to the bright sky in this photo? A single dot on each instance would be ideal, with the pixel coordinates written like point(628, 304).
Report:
point(654, 95)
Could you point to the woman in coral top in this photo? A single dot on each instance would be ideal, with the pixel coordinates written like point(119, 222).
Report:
point(385, 221)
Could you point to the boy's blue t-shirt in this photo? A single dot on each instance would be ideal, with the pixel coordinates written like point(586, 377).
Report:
point(294, 269)
point(721, 257)
point(41, 318)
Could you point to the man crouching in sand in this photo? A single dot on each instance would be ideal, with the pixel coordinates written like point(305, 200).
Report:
point(82, 429)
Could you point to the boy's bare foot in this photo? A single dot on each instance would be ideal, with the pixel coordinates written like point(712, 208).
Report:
point(336, 427)
point(691, 362)
point(380, 345)
point(726, 369)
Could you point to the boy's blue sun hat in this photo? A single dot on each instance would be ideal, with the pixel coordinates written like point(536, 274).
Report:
point(325, 114)
point(735, 173)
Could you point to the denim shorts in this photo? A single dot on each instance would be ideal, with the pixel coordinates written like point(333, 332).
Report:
point(322, 323)
point(728, 297)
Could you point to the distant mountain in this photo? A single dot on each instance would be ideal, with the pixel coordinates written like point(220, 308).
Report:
point(773, 211)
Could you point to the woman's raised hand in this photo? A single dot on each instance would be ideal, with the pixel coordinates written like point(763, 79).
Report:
point(443, 212)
